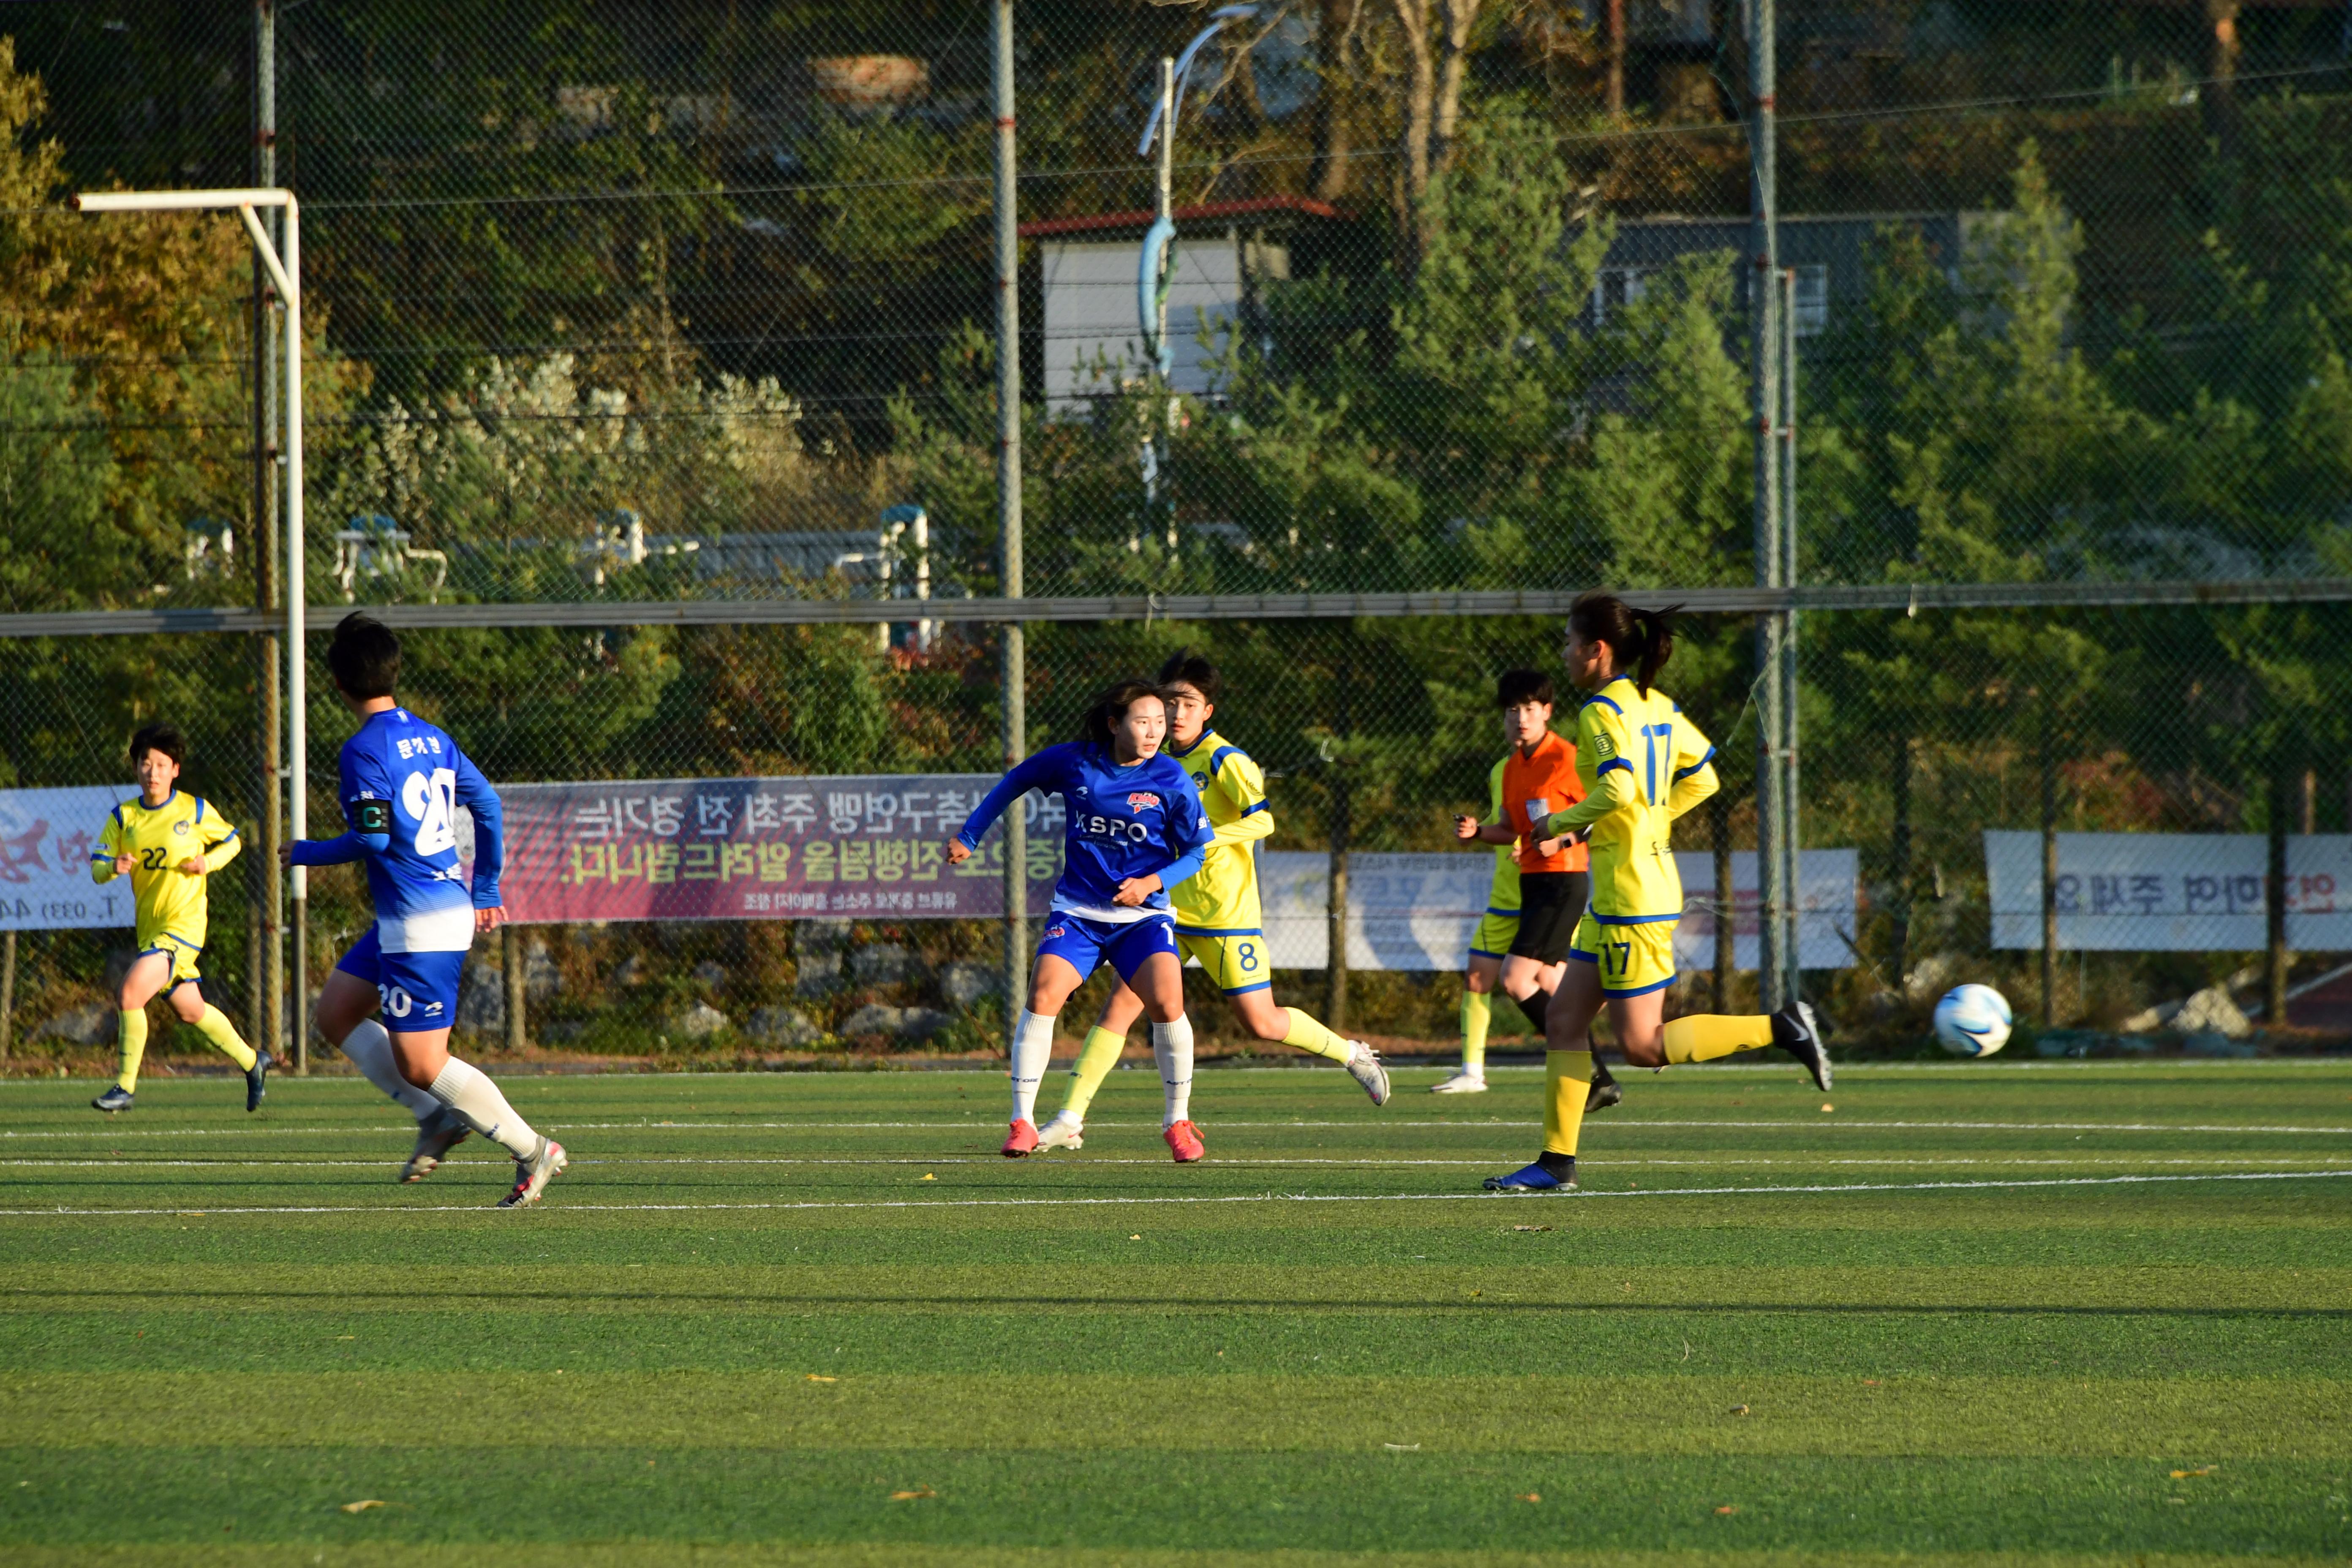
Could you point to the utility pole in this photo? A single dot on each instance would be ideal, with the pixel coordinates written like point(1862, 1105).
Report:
point(1008, 511)
point(1771, 631)
point(266, 969)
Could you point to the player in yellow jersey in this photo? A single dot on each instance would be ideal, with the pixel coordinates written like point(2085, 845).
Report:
point(1643, 763)
point(168, 842)
point(1218, 921)
point(1499, 954)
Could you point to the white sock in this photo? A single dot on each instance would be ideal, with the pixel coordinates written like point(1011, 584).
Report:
point(370, 1049)
point(1033, 1048)
point(1172, 1048)
point(467, 1091)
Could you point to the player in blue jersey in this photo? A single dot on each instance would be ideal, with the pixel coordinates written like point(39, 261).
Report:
point(402, 782)
point(1136, 828)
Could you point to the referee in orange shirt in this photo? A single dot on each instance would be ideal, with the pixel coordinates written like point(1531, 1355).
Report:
point(1538, 779)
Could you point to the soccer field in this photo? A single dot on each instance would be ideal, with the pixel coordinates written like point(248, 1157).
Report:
point(2051, 1311)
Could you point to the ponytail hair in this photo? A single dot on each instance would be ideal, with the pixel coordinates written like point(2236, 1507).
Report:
point(1110, 706)
point(1641, 638)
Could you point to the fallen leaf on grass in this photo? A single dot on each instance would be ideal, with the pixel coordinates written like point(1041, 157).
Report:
point(1870, 1383)
point(820, 1377)
point(1826, 1106)
point(364, 1504)
point(929, 1177)
point(2202, 1470)
point(1403, 1448)
point(1531, 1227)
point(1740, 1410)
point(912, 1496)
point(1727, 1508)
point(1531, 1496)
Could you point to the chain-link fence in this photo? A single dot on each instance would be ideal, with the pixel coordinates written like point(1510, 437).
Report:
point(639, 304)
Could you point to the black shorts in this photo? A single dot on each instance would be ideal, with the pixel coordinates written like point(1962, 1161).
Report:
point(1550, 903)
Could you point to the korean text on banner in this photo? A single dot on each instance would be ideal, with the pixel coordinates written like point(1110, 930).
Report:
point(1417, 911)
point(866, 846)
point(2170, 893)
point(46, 839)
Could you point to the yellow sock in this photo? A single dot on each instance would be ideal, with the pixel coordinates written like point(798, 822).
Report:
point(1708, 1035)
point(1312, 1038)
point(215, 1027)
point(1568, 1079)
point(1477, 1013)
point(131, 1045)
point(1096, 1058)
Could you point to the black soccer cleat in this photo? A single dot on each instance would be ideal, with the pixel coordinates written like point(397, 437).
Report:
point(1796, 1031)
point(116, 1098)
point(256, 1078)
point(1604, 1092)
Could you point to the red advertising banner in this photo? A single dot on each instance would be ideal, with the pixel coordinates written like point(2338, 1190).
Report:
point(860, 846)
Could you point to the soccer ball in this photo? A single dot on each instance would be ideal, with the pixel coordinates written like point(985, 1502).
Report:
point(1972, 1021)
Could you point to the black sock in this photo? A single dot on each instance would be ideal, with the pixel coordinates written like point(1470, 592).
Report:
point(1535, 1004)
point(1601, 1075)
point(1561, 1165)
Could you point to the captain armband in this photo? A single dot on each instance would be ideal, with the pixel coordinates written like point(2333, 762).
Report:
point(370, 816)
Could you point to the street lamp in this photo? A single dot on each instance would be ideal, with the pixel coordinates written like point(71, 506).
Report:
point(287, 274)
point(1159, 243)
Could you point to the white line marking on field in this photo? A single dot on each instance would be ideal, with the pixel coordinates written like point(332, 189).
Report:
point(1369, 1123)
point(1585, 1193)
point(1587, 1162)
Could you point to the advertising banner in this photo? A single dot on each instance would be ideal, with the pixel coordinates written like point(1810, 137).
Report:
point(2170, 893)
point(1418, 912)
point(855, 846)
point(45, 838)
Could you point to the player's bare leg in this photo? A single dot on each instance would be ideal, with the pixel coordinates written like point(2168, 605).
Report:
point(145, 978)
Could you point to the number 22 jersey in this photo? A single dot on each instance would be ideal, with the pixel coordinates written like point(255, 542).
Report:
point(403, 780)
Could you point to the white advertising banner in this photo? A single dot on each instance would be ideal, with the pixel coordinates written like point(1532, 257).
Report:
point(2170, 892)
point(1418, 912)
point(45, 838)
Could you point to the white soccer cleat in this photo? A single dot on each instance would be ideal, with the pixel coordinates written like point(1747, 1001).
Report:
point(435, 1136)
point(1364, 1067)
point(1065, 1131)
point(1463, 1082)
point(532, 1175)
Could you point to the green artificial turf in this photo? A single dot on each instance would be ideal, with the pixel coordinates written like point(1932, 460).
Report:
point(2000, 1312)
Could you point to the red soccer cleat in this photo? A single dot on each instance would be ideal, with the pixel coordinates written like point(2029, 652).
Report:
point(1184, 1143)
point(1022, 1139)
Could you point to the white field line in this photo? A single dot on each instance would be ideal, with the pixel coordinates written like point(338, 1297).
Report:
point(1368, 1124)
point(1585, 1162)
point(1585, 1195)
point(1979, 1066)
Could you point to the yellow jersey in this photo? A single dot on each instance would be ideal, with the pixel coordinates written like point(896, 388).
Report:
point(1503, 892)
point(1643, 764)
point(1221, 898)
point(170, 900)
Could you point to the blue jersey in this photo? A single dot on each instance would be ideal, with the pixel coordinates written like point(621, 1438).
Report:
point(1141, 820)
point(402, 783)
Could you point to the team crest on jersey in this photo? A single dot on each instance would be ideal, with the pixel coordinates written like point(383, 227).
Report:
point(1138, 801)
point(1601, 744)
point(181, 828)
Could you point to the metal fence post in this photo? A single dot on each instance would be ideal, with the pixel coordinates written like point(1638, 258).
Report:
point(1008, 509)
point(1764, 358)
point(1791, 880)
point(267, 968)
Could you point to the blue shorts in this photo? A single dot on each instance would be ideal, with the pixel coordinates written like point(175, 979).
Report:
point(418, 991)
point(1083, 944)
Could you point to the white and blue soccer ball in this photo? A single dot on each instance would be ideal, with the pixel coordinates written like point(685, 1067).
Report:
point(1972, 1021)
